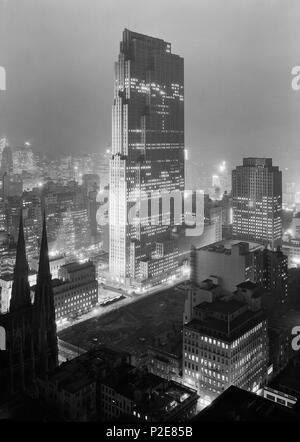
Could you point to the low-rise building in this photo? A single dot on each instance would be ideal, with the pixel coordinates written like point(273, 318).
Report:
point(237, 405)
point(288, 381)
point(72, 390)
point(55, 262)
point(130, 393)
point(6, 282)
point(75, 291)
point(165, 357)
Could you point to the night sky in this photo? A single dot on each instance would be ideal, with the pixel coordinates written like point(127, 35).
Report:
point(59, 57)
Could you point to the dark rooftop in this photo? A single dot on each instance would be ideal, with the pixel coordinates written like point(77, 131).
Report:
point(152, 394)
point(169, 345)
point(225, 307)
point(10, 276)
point(230, 330)
point(248, 285)
point(75, 266)
point(73, 375)
point(241, 405)
point(288, 380)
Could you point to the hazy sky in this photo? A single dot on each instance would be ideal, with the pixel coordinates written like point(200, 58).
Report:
point(59, 57)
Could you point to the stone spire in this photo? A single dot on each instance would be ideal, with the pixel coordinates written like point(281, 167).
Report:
point(47, 351)
point(20, 296)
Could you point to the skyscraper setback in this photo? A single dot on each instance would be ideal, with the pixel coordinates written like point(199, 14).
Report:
point(257, 201)
point(147, 157)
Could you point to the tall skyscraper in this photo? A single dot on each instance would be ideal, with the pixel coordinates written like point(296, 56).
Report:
point(6, 161)
point(3, 144)
point(257, 201)
point(147, 156)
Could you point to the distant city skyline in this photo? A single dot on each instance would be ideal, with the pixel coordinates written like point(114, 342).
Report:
point(238, 61)
point(149, 213)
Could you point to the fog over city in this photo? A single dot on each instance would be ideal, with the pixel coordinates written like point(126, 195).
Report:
point(149, 214)
point(59, 57)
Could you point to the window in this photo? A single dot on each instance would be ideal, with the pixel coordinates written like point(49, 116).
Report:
point(281, 401)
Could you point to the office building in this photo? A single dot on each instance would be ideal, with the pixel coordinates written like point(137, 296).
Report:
point(226, 343)
point(135, 394)
point(6, 283)
point(55, 262)
point(216, 270)
point(147, 154)
point(291, 249)
point(23, 159)
point(257, 201)
point(72, 389)
point(165, 356)
point(229, 261)
point(237, 405)
point(12, 185)
point(271, 272)
point(6, 161)
point(75, 290)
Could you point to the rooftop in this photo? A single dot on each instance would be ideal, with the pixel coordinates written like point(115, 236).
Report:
point(169, 345)
point(10, 276)
point(241, 405)
point(225, 307)
point(152, 394)
point(75, 266)
point(229, 330)
point(75, 374)
point(288, 379)
point(54, 282)
point(248, 285)
point(226, 245)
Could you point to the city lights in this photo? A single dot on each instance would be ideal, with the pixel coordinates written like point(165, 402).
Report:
point(2, 78)
point(222, 167)
point(124, 295)
point(126, 262)
point(296, 261)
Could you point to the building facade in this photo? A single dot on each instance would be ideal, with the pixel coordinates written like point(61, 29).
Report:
point(75, 290)
point(257, 201)
point(229, 261)
point(147, 151)
point(271, 272)
point(226, 343)
point(138, 395)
